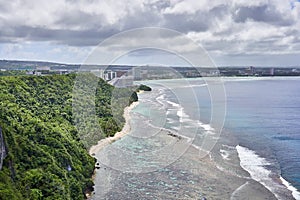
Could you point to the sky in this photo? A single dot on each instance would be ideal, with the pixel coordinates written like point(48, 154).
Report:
point(234, 33)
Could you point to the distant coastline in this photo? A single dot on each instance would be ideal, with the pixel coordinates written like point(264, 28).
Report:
point(13, 67)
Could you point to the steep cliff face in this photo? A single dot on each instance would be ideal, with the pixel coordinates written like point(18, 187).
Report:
point(2, 149)
point(45, 156)
point(39, 142)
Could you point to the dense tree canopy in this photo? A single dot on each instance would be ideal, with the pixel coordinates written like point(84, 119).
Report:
point(144, 88)
point(47, 154)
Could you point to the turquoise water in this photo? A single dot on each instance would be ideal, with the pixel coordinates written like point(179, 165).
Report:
point(263, 115)
point(261, 127)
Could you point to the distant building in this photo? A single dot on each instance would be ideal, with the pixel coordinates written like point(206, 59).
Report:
point(37, 73)
point(109, 75)
point(250, 71)
point(214, 73)
point(122, 82)
point(137, 75)
point(44, 70)
point(272, 71)
point(30, 73)
point(144, 74)
point(63, 71)
point(121, 73)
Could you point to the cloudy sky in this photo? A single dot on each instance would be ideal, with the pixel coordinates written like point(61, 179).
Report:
point(237, 32)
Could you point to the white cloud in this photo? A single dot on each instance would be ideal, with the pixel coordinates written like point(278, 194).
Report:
point(247, 3)
point(223, 27)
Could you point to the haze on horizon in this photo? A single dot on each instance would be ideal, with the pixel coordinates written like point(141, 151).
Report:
point(239, 32)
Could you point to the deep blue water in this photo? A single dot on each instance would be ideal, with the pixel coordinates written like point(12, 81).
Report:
point(265, 117)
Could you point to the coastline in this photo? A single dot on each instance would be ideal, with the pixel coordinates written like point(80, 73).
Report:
point(219, 175)
point(125, 130)
point(191, 176)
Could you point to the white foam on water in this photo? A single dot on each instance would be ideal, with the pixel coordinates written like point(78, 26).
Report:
point(199, 85)
point(226, 151)
point(206, 127)
point(192, 85)
point(225, 154)
point(203, 150)
point(295, 192)
point(232, 79)
point(185, 120)
point(173, 103)
point(180, 113)
point(228, 147)
point(183, 117)
point(175, 128)
point(256, 166)
point(160, 99)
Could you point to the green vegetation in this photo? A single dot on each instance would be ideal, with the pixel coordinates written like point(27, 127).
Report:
point(45, 135)
point(144, 88)
point(12, 73)
point(98, 108)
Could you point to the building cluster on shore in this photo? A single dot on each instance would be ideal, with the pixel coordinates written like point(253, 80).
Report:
point(124, 75)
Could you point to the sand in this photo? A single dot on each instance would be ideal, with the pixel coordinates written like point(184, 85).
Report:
point(190, 176)
point(126, 129)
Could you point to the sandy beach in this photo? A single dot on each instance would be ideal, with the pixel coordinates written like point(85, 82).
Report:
point(126, 129)
point(157, 164)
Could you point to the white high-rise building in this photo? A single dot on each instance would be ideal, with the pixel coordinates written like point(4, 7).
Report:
point(137, 75)
point(109, 75)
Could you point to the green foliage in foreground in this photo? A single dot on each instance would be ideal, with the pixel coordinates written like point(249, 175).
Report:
point(47, 153)
point(12, 73)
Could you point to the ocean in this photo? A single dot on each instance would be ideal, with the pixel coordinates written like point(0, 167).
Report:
point(256, 148)
point(264, 114)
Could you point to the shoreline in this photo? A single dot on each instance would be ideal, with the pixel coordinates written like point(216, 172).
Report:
point(192, 175)
point(125, 130)
point(251, 162)
point(109, 140)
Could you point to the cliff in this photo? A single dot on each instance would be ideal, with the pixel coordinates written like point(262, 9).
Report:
point(2, 149)
point(46, 155)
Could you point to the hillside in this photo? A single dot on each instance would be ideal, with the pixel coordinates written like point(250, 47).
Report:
point(45, 155)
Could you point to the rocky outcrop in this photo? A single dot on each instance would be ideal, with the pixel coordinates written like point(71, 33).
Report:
point(2, 149)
